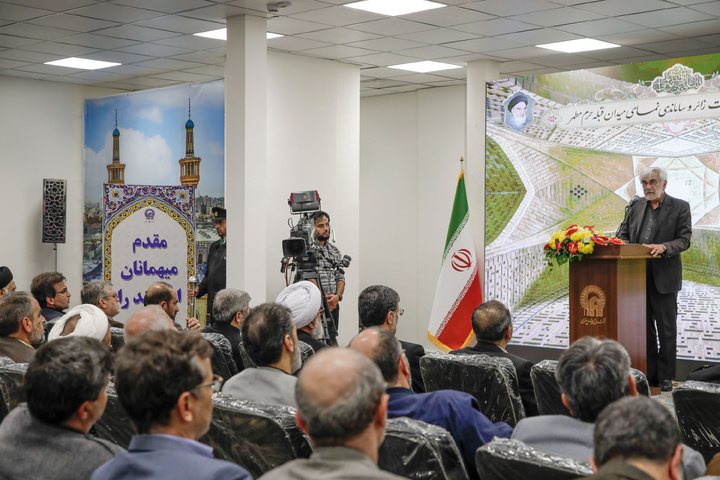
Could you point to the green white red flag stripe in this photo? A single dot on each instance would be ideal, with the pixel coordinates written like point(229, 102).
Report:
point(458, 290)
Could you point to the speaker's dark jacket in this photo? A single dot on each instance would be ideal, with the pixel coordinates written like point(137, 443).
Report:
point(215, 278)
point(673, 229)
point(522, 367)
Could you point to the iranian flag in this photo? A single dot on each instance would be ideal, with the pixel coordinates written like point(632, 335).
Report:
point(458, 290)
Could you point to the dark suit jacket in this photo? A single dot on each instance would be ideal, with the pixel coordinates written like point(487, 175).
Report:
point(215, 278)
point(414, 353)
point(161, 457)
point(673, 229)
point(234, 337)
point(522, 367)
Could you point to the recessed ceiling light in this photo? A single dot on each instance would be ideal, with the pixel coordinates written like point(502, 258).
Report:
point(424, 67)
point(82, 63)
point(394, 7)
point(221, 34)
point(581, 45)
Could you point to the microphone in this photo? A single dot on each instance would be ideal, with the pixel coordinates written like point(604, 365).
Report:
point(627, 210)
point(632, 201)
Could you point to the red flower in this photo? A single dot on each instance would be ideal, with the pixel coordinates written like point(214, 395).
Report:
point(572, 247)
point(572, 230)
point(558, 246)
point(589, 227)
point(616, 241)
point(599, 240)
point(547, 246)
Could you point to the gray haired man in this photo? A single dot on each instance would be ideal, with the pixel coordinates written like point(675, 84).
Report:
point(230, 306)
point(342, 406)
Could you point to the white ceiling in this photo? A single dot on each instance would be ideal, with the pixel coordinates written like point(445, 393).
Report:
point(154, 41)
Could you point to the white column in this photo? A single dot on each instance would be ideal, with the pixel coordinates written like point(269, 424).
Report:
point(478, 73)
point(245, 154)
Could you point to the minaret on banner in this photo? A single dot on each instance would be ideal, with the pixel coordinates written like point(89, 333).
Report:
point(116, 170)
point(190, 165)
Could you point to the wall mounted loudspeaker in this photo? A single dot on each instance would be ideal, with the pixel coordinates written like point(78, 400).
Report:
point(54, 209)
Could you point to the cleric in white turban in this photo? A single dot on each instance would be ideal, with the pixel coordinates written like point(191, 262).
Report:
point(304, 301)
point(84, 320)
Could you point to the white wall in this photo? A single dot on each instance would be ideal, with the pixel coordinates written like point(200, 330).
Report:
point(41, 133)
point(410, 149)
point(313, 121)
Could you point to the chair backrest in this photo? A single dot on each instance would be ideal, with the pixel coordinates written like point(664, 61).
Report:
point(256, 436)
point(117, 338)
point(114, 425)
point(11, 378)
point(222, 360)
point(306, 351)
point(697, 408)
point(549, 395)
point(509, 459)
point(491, 380)
point(418, 450)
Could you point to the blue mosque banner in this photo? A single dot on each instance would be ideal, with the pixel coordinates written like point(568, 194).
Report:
point(172, 138)
point(148, 236)
point(566, 148)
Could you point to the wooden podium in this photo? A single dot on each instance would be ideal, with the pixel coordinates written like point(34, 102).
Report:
point(607, 298)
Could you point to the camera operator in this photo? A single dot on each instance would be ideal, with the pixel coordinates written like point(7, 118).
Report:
point(329, 259)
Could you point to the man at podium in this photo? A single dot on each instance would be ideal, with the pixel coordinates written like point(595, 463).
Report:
point(662, 224)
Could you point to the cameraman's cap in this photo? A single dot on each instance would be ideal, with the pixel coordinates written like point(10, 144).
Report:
point(518, 98)
point(219, 213)
point(6, 277)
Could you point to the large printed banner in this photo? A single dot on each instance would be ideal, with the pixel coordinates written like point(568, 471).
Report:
point(148, 237)
point(567, 148)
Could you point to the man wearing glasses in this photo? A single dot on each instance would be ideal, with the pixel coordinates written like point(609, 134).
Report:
point(662, 224)
point(52, 294)
point(165, 383)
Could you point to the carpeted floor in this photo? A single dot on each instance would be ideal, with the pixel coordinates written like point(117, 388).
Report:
point(664, 397)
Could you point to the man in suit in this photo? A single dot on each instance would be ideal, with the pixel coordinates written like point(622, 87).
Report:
point(229, 308)
point(165, 383)
point(342, 406)
point(456, 412)
point(152, 317)
point(493, 328)
point(101, 294)
point(270, 339)
point(163, 294)
point(21, 326)
point(52, 294)
point(662, 224)
point(215, 278)
point(592, 374)
point(379, 306)
point(636, 438)
point(47, 437)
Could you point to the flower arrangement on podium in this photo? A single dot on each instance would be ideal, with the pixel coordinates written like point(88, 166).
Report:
point(574, 242)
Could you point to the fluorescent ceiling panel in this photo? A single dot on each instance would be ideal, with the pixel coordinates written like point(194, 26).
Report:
point(394, 7)
point(83, 63)
point(221, 34)
point(424, 67)
point(580, 45)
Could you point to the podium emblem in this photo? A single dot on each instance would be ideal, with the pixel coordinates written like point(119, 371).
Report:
point(592, 299)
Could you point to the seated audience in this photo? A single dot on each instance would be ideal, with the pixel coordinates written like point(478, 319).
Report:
point(165, 384)
point(47, 437)
point(304, 301)
point(101, 294)
point(379, 306)
point(21, 326)
point(83, 321)
point(52, 294)
point(270, 339)
point(7, 284)
point(152, 317)
point(592, 374)
point(163, 294)
point(456, 412)
point(342, 406)
point(493, 328)
point(636, 438)
point(230, 306)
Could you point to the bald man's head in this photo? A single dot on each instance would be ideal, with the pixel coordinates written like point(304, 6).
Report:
point(338, 394)
point(152, 317)
point(381, 347)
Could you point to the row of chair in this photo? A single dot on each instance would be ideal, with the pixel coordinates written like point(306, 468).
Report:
point(493, 382)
